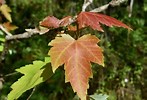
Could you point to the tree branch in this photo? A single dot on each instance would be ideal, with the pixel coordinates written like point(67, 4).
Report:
point(131, 8)
point(86, 4)
point(100, 9)
point(4, 30)
point(30, 32)
point(112, 3)
point(20, 36)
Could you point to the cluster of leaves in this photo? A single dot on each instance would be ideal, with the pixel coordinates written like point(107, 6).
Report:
point(5, 22)
point(5, 18)
point(124, 51)
point(76, 54)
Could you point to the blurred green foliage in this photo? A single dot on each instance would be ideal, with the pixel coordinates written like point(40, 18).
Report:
point(124, 75)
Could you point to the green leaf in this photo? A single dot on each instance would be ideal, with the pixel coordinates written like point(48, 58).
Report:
point(34, 74)
point(1, 48)
point(99, 97)
point(2, 39)
point(1, 32)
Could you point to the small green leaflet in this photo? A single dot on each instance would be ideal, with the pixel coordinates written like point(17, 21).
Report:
point(34, 74)
point(2, 39)
point(98, 97)
point(1, 48)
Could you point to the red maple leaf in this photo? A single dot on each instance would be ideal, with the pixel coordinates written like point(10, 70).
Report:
point(50, 22)
point(94, 19)
point(76, 56)
point(53, 22)
point(65, 21)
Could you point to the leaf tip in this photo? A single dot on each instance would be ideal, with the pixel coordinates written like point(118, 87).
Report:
point(103, 64)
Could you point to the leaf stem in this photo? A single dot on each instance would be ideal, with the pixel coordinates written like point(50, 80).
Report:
point(31, 93)
point(11, 74)
point(77, 32)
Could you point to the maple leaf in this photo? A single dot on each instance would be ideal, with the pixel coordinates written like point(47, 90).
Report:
point(34, 74)
point(94, 19)
point(5, 10)
point(65, 21)
point(9, 26)
point(50, 22)
point(53, 22)
point(76, 55)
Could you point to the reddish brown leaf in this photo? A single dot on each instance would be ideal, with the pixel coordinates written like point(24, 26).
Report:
point(76, 56)
point(50, 22)
point(53, 22)
point(65, 21)
point(94, 19)
point(9, 26)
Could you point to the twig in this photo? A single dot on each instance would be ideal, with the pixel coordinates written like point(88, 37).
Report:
point(28, 34)
point(100, 9)
point(31, 93)
point(116, 2)
point(4, 30)
point(131, 8)
point(86, 4)
point(112, 3)
point(11, 74)
point(20, 36)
